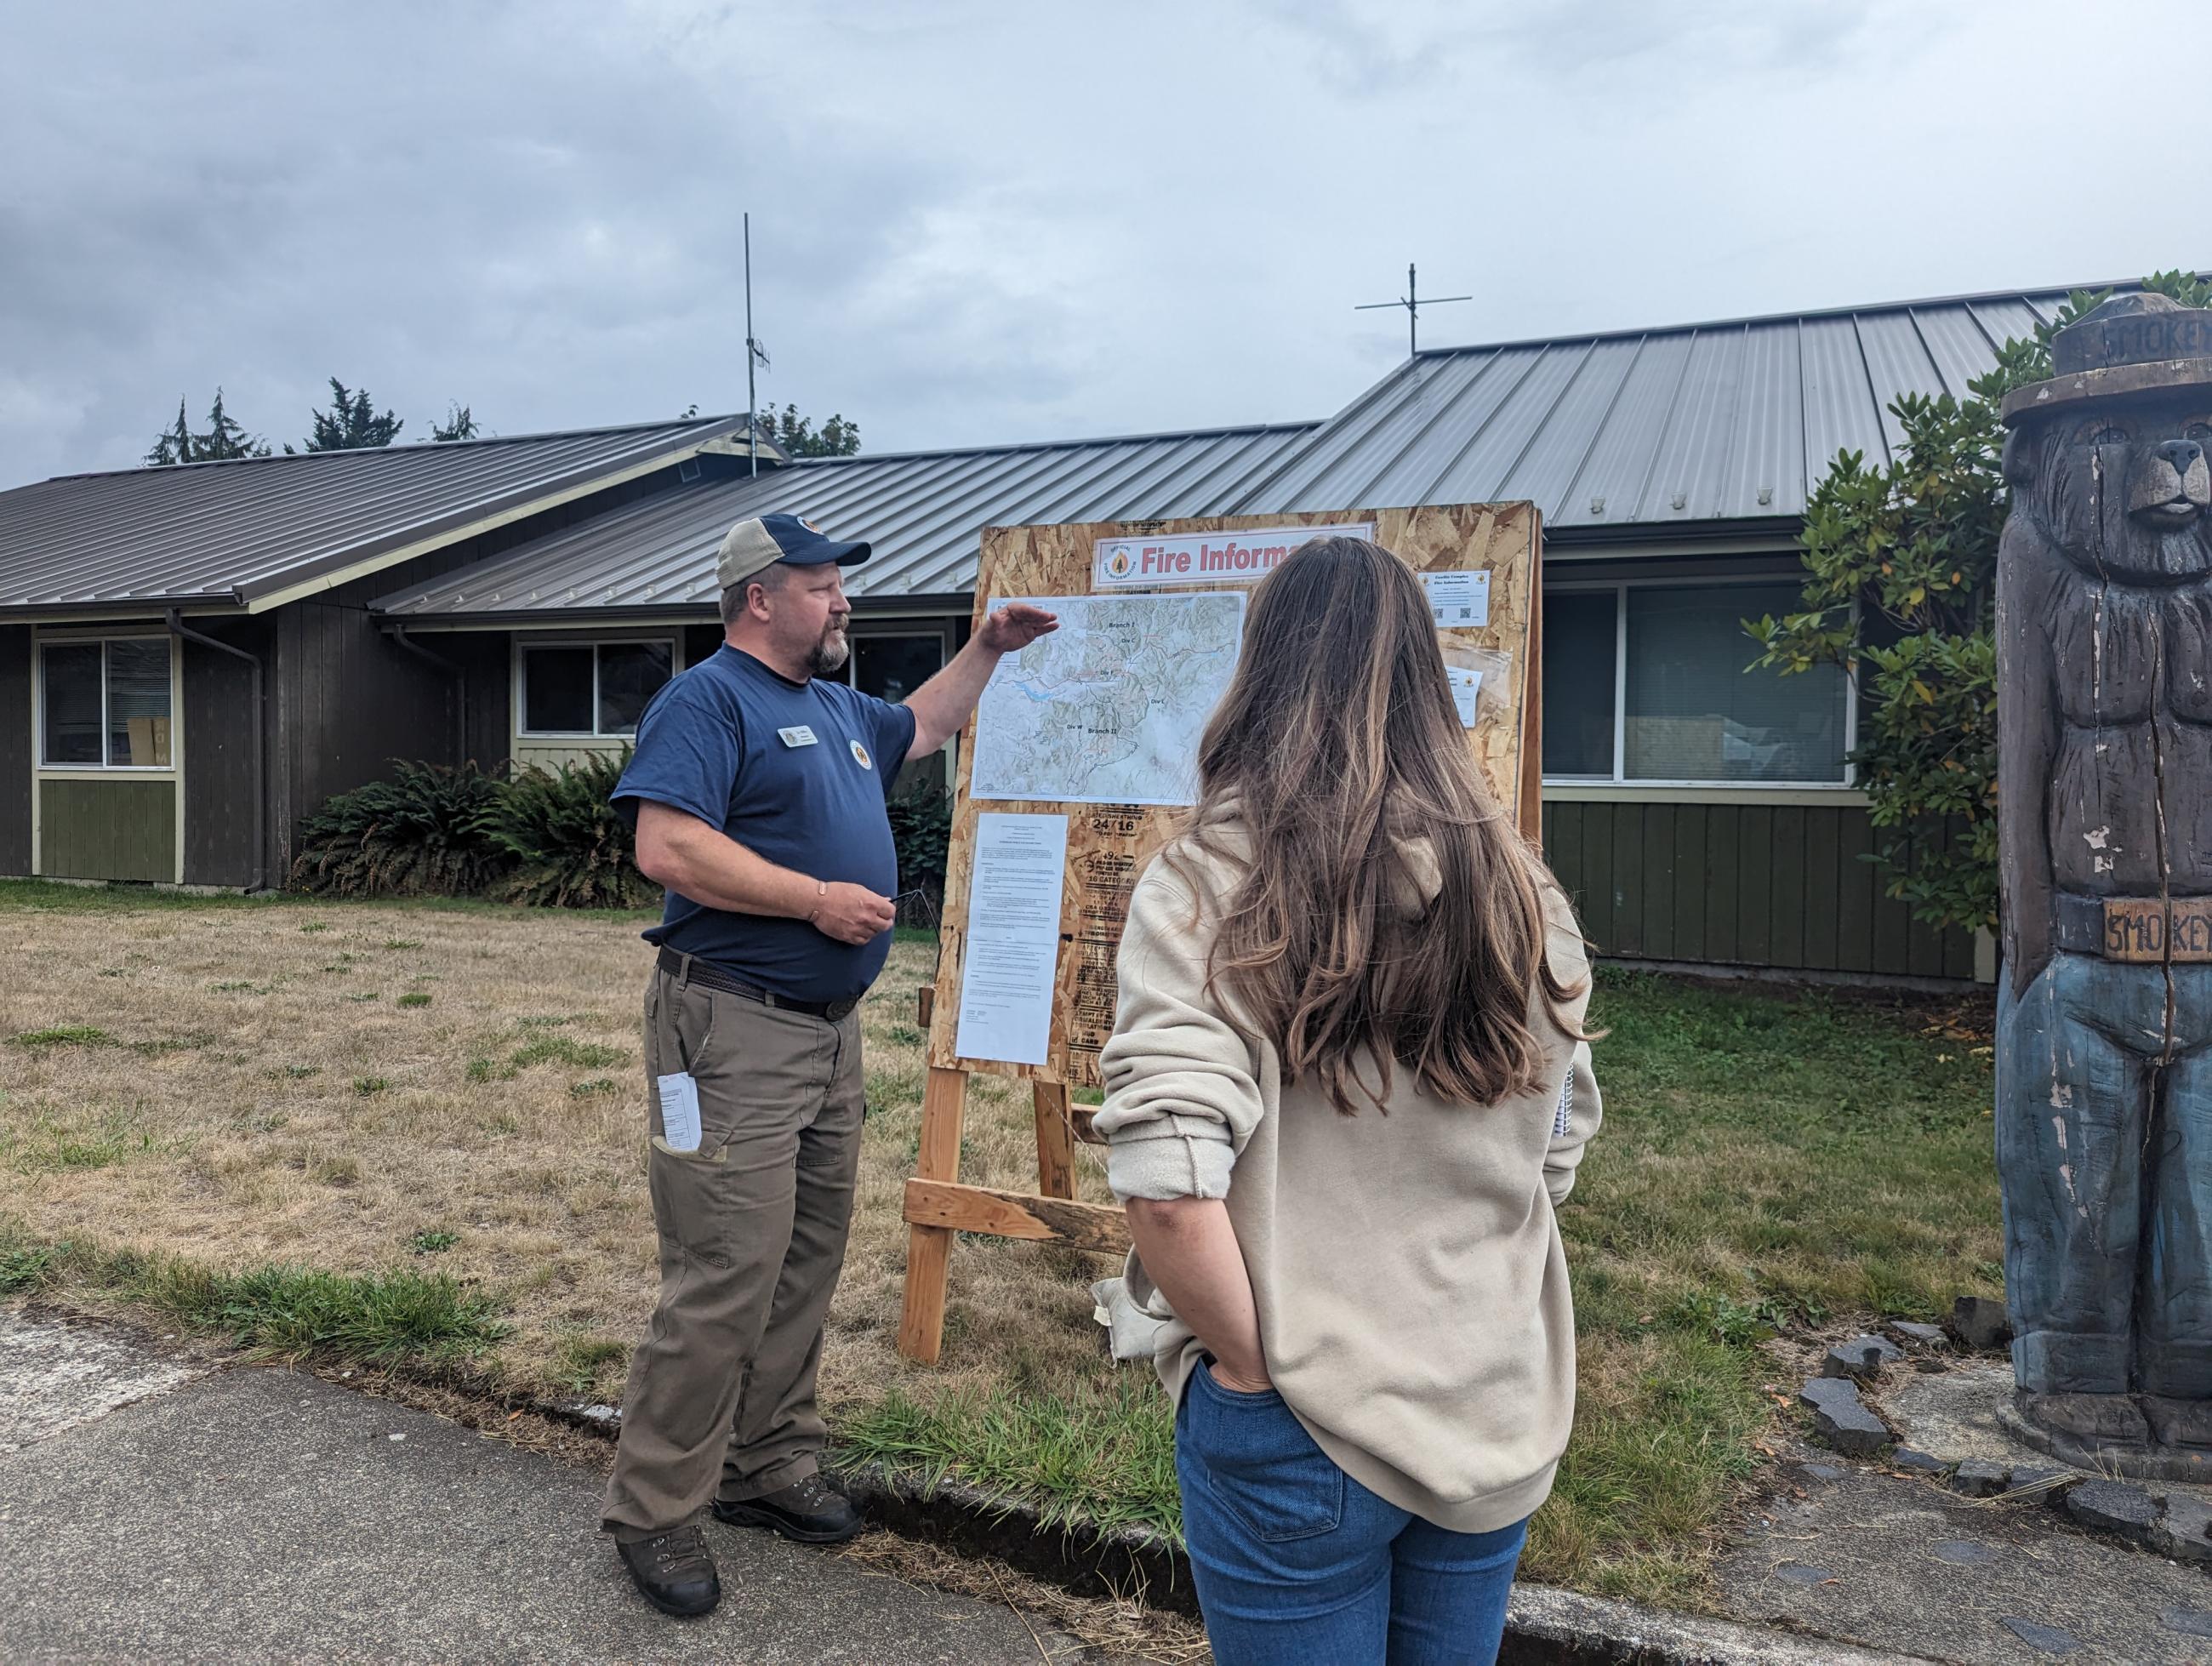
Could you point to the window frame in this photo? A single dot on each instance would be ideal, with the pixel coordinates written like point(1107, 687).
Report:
point(47, 766)
point(523, 649)
point(1619, 778)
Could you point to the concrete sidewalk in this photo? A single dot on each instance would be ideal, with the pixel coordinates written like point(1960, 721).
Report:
point(156, 1507)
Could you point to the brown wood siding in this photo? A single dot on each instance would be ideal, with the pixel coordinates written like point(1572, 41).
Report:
point(14, 749)
point(348, 701)
point(1769, 885)
point(488, 691)
point(221, 732)
point(108, 829)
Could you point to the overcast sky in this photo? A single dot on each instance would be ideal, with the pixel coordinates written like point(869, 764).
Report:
point(977, 222)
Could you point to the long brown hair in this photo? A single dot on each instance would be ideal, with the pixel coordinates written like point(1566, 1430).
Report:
point(1337, 747)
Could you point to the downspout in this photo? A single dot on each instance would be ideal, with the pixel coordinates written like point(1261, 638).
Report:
point(260, 742)
point(460, 676)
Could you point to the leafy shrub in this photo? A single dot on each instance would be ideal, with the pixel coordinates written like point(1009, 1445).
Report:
point(569, 848)
point(420, 834)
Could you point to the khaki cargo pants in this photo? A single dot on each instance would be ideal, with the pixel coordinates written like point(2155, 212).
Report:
point(752, 1224)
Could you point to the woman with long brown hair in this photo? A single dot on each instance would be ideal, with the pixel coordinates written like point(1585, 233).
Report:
point(1347, 1087)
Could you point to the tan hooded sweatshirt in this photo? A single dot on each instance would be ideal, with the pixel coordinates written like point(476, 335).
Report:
point(1411, 1286)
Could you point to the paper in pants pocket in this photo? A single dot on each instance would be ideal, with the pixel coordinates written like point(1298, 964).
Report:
point(679, 1111)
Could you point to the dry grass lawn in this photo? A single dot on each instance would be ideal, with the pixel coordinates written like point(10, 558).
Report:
point(369, 1089)
point(348, 1085)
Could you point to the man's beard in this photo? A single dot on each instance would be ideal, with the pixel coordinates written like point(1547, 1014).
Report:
point(829, 653)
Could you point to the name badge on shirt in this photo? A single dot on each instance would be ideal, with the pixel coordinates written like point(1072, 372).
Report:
point(800, 736)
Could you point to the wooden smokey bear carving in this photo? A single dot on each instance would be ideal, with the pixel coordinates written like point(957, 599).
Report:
point(2105, 788)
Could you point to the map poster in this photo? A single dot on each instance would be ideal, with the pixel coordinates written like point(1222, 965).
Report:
point(1109, 707)
point(1100, 722)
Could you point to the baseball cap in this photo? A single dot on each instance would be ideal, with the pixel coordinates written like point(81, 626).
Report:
point(753, 546)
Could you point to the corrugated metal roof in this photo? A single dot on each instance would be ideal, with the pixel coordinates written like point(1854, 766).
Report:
point(923, 512)
point(1733, 420)
point(234, 531)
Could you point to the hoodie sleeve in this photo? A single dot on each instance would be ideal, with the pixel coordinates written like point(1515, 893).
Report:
point(1182, 1098)
point(1579, 1108)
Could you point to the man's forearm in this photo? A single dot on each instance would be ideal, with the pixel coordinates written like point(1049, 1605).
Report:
point(713, 868)
point(941, 705)
point(1189, 1252)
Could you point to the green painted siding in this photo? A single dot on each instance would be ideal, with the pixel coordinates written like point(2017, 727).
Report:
point(108, 829)
point(1751, 885)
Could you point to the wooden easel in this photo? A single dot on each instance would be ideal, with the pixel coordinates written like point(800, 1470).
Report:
point(1107, 846)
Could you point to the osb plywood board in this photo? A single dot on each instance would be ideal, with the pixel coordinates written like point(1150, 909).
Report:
point(1107, 845)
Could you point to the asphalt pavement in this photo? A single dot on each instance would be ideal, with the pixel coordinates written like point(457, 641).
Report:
point(154, 1506)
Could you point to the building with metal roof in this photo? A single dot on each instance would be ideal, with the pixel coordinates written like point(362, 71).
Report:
point(188, 658)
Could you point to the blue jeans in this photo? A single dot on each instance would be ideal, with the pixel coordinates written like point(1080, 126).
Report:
point(1299, 1565)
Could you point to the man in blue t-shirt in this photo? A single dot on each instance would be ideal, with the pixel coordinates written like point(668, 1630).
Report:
point(757, 792)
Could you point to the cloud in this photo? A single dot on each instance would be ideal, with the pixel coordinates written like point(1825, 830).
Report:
point(980, 222)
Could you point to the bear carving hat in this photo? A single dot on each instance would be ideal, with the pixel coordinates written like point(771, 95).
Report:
point(2127, 347)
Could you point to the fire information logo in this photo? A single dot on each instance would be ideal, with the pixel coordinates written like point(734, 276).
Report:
point(1115, 561)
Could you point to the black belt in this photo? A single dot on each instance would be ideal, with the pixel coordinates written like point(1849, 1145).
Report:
point(2144, 929)
point(692, 970)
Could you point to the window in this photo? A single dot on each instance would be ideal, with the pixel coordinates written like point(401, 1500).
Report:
point(594, 689)
point(1580, 642)
point(893, 667)
point(104, 705)
point(1648, 682)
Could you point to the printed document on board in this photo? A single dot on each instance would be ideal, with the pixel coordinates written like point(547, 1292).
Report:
point(1013, 937)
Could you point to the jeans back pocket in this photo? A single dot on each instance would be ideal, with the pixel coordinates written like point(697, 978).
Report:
point(1258, 1460)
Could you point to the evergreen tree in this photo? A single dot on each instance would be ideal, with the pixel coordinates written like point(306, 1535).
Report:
point(460, 423)
point(798, 436)
point(225, 438)
point(351, 422)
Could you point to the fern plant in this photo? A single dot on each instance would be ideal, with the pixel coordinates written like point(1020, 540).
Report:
point(419, 834)
point(569, 848)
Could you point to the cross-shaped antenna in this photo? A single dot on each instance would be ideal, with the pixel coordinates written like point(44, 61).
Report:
point(1411, 301)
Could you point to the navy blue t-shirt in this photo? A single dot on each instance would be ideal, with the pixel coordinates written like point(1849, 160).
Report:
point(796, 773)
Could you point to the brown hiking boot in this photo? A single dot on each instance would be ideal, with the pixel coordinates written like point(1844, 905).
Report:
point(674, 1570)
point(809, 1510)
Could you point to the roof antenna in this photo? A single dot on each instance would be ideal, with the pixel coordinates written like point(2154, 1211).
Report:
point(754, 355)
point(1411, 301)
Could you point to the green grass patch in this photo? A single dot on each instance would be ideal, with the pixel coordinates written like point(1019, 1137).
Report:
point(546, 1049)
point(365, 1085)
point(566, 1050)
point(586, 1365)
point(403, 943)
point(415, 998)
point(283, 1311)
point(65, 1035)
point(55, 1145)
point(1103, 1452)
point(430, 1241)
point(593, 1087)
point(295, 1072)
